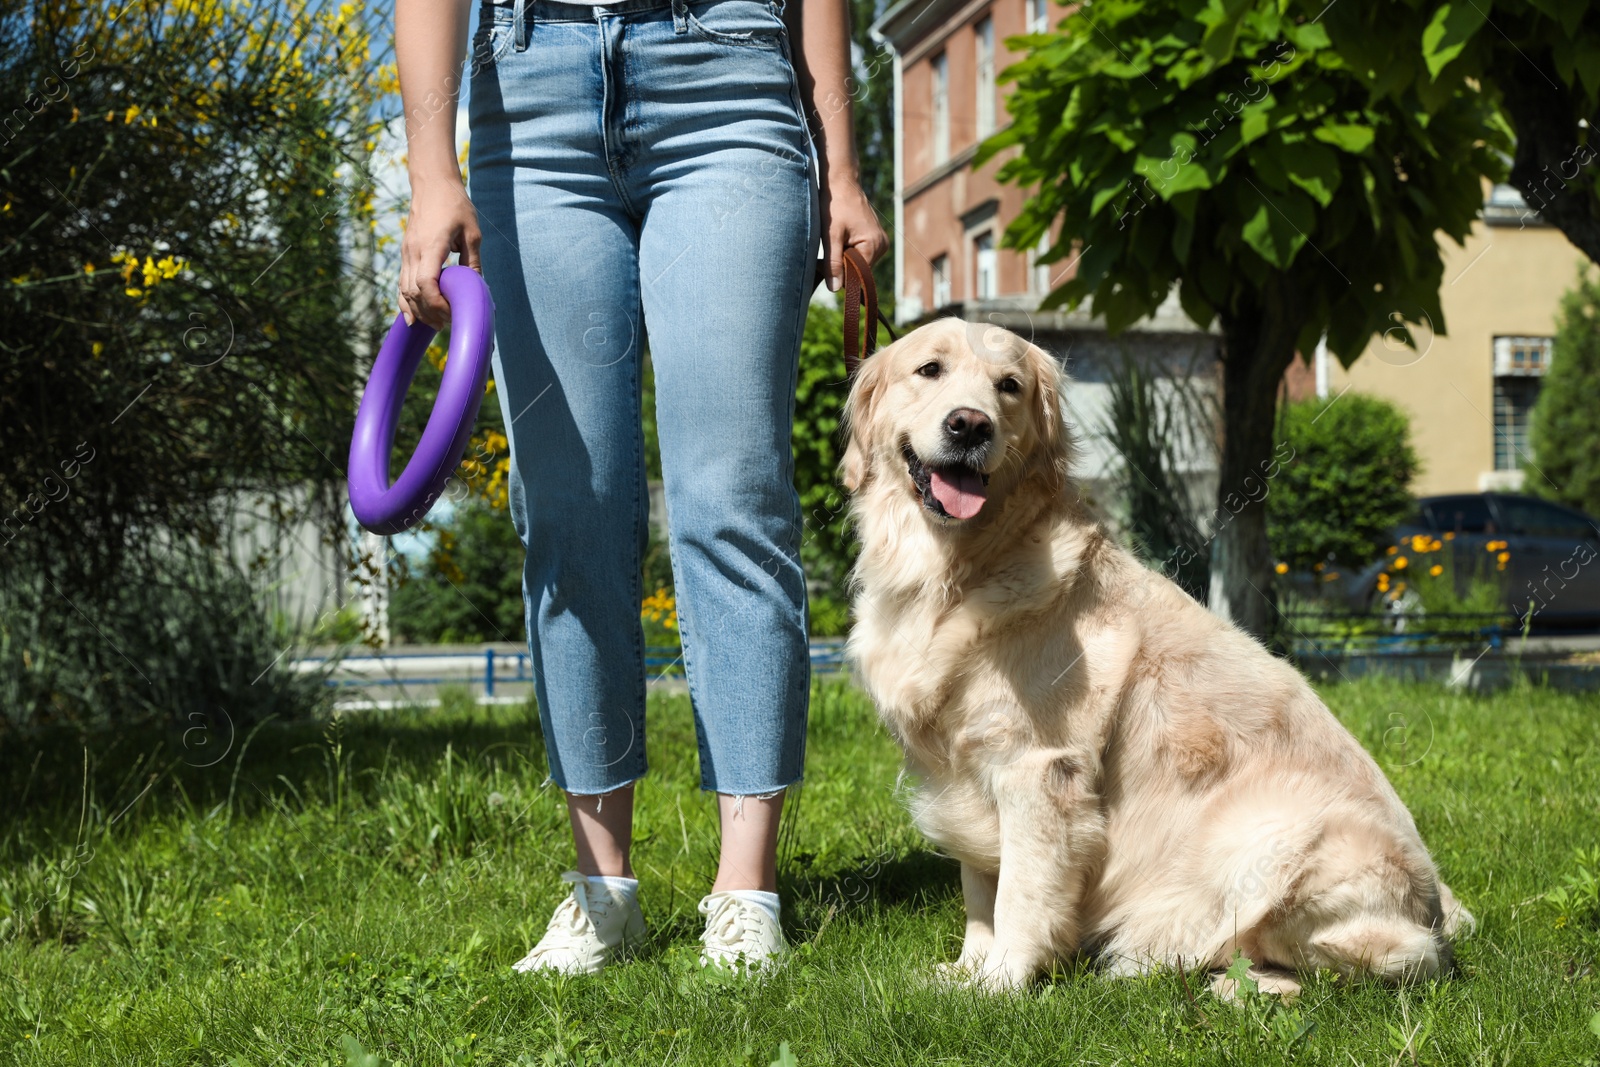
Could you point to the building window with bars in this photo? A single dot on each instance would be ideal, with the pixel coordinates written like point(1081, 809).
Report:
point(985, 267)
point(1038, 16)
point(941, 109)
point(941, 281)
point(984, 33)
point(1520, 364)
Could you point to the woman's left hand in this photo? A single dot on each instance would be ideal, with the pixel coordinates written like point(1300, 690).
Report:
point(848, 221)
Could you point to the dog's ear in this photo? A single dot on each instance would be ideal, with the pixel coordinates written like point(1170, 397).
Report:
point(1053, 458)
point(860, 412)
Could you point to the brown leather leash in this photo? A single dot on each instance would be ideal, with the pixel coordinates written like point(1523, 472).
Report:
point(859, 289)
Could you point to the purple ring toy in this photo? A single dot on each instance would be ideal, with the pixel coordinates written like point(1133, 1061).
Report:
point(390, 509)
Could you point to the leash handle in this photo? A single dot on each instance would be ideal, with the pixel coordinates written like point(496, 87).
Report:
point(859, 290)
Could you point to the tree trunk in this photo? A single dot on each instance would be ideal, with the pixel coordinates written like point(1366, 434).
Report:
point(1552, 170)
point(1258, 345)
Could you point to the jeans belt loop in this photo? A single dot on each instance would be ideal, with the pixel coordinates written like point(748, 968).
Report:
point(520, 18)
point(680, 16)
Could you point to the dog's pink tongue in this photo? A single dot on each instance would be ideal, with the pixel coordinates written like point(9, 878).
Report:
point(960, 493)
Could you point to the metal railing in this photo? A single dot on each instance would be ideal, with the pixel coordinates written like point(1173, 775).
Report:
point(501, 667)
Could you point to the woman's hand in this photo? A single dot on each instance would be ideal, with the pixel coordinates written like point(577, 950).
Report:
point(848, 221)
point(442, 221)
point(821, 30)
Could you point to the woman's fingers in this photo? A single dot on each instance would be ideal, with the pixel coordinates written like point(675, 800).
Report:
point(440, 223)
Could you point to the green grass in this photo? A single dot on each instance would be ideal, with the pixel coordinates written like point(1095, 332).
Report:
point(324, 889)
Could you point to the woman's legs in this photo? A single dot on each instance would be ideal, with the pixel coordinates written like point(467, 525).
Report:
point(644, 161)
point(603, 831)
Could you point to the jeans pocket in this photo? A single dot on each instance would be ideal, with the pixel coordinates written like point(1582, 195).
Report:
point(740, 23)
point(490, 42)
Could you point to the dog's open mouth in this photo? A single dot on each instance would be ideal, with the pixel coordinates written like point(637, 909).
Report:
point(955, 490)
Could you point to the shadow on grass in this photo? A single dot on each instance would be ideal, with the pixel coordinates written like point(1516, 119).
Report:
point(49, 778)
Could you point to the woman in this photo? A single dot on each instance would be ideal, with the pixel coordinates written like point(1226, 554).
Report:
point(660, 168)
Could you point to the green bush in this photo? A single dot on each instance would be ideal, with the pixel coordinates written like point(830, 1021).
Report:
point(183, 638)
point(1566, 446)
point(470, 588)
point(1347, 485)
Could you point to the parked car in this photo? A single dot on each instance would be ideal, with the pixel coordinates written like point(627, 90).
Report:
point(1551, 555)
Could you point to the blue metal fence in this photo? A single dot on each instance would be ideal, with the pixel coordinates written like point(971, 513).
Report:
point(661, 661)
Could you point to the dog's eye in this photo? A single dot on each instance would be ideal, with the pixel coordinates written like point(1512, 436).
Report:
point(930, 369)
point(1009, 385)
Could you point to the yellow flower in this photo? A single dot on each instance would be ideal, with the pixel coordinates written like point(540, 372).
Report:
point(97, 348)
point(1393, 549)
point(1450, 535)
point(1282, 568)
point(1399, 563)
point(129, 115)
point(1436, 570)
point(1502, 557)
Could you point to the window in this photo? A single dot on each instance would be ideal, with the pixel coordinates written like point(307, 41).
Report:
point(1519, 364)
point(1038, 16)
point(1460, 514)
point(941, 109)
point(1513, 401)
point(941, 281)
point(1532, 518)
point(1529, 356)
point(984, 266)
point(984, 32)
point(1041, 271)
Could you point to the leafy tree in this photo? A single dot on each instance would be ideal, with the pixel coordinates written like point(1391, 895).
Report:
point(1347, 483)
point(177, 176)
point(1539, 59)
point(1566, 445)
point(1229, 149)
point(176, 181)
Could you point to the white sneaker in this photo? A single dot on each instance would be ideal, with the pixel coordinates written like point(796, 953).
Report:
point(589, 929)
point(737, 930)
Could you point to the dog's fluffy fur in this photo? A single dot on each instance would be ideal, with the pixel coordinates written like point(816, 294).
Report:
point(1119, 771)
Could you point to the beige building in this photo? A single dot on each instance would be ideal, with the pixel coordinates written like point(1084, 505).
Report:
point(1469, 392)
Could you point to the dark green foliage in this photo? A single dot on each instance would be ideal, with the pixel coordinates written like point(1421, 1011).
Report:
point(1565, 430)
point(827, 549)
point(1148, 426)
point(182, 639)
point(1539, 60)
point(1232, 149)
point(1347, 485)
point(470, 589)
point(227, 141)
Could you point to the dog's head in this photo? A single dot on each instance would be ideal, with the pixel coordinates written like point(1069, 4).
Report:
point(957, 415)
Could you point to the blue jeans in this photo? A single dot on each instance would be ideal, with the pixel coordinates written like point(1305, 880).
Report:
point(651, 158)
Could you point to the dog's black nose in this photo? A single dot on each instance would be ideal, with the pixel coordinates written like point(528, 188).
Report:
point(968, 427)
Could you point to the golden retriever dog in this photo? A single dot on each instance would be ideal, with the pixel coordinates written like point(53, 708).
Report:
point(1119, 772)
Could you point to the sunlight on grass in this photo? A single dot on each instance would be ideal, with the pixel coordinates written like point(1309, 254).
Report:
point(354, 892)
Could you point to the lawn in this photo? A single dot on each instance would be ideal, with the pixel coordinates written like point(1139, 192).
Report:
point(354, 892)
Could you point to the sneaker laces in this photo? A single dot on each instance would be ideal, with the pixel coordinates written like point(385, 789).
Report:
point(571, 919)
point(728, 923)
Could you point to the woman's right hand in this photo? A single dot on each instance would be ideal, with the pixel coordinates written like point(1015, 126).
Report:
point(442, 221)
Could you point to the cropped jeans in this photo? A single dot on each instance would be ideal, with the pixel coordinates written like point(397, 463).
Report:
point(644, 170)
